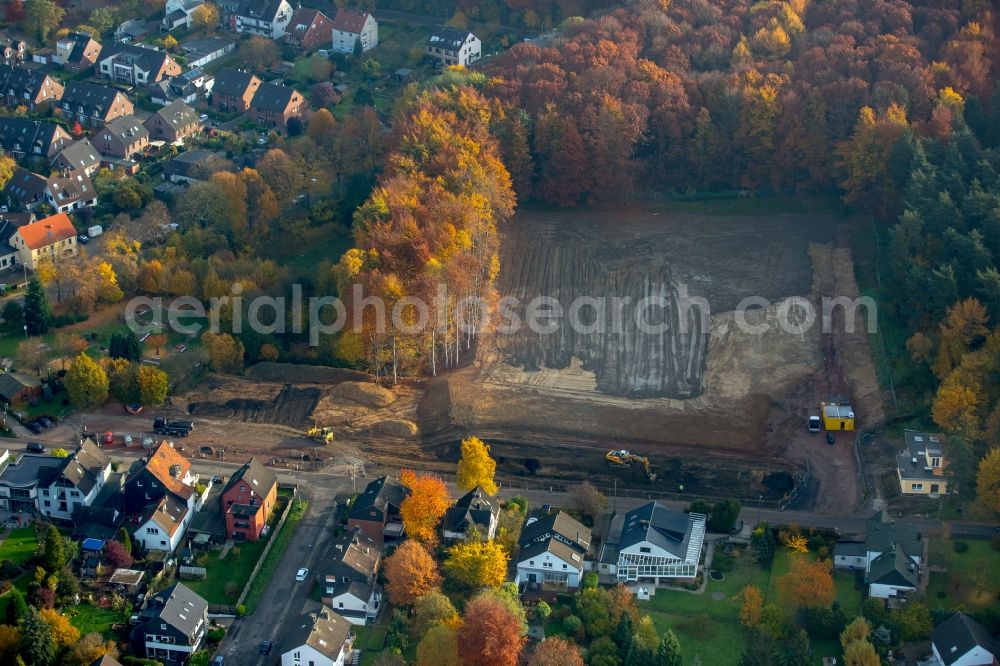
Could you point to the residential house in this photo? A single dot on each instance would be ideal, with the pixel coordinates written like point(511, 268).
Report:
point(186, 167)
point(8, 260)
point(309, 29)
point(136, 65)
point(77, 52)
point(131, 30)
point(921, 465)
point(351, 26)
point(93, 105)
point(172, 626)
point(106, 660)
point(376, 511)
point(452, 46)
point(18, 387)
point(78, 156)
point(474, 510)
point(178, 14)
point(65, 193)
point(187, 87)
point(55, 487)
point(890, 556)
point(200, 52)
point(348, 576)
point(653, 543)
point(274, 105)
point(122, 138)
point(53, 237)
point(160, 497)
point(318, 639)
point(247, 500)
point(961, 641)
point(233, 90)
point(552, 551)
point(78, 482)
point(174, 122)
point(29, 88)
point(21, 137)
point(267, 18)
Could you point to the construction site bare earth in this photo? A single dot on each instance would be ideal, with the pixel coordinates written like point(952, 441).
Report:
point(714, 409)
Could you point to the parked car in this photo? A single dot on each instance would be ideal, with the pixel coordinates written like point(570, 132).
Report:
point(265, 647)
point(301, 575)
point(830, 437)
point(814, 424)
point(45, 421)
point(35, 447)
point(203, 117)
point(35, 427)
point(83, 239)
point(217, 479)
point(218, 660)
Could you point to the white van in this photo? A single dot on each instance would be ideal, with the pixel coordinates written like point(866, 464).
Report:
point(814, 424)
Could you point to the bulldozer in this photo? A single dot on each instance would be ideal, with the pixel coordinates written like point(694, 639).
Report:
point(322, 434)
point(623, 458)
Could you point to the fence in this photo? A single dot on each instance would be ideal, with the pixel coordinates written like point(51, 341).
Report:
point(270, 542)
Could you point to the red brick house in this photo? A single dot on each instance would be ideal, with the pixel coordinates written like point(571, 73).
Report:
point(309, 30)
point(376, 511)
point(274, 105)
point(247, 501)
point(233, 90)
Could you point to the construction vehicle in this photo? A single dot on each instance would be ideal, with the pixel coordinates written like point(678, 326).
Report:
point(624, 458)
point(161, 426)
point(322, 434)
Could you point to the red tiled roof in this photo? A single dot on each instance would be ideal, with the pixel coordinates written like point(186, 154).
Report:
point(162, 459)
point(47, 231)
point(350, 20)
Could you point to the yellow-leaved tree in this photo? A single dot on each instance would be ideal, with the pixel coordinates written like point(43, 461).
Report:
point(752, 606)
point(477, 564)
point(476, 467)
point(988, 481)
point(63, 633)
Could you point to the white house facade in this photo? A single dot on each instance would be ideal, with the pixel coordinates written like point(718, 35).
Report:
point(554, 564)
point(164, 526)
point(267, 18)
point(450, 46)
point(358, 603)
point(323, 638)
point(351, 26)
point(961, 641)
point(654, 544)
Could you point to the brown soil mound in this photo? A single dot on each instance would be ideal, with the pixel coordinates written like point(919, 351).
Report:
point(365, 393)
point(400, 428)
point(304, 374)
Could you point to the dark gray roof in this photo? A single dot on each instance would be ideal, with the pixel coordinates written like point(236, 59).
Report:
point(30, 469)
point(48, 137)
point(127, 129)
point(21, 80)
point(883, 533)
point(80, 42)
point(95, 99)
point(919, 442)
point(561, 525)
point(177, 114)
point(259, 477)
point(272, 97)
point(954, 637)
point(473, 508)
point(180, 607)
point(85, 466)
point(260, 9)
point(325, 631)
point(447, 37)
point(563, 551)
point(148, 59)
point(380, 493)
point(894, 567)
point(79, 155)
point(850, 549)
point(233, 82)
point(660, 526)
point(10, 384)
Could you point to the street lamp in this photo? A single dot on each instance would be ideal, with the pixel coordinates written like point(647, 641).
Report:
point(760, 500)
point(25, 331)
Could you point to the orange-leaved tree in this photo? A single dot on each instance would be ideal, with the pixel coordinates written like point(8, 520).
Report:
point(489, 635)
point(423, 507)
point(752, 606)
point(808, 583)
point(556, 651)
point(409, 573)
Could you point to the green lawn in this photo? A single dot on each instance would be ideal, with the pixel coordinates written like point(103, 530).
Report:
point(89, 618)
point(848, 595)
point(234, 569)
point(968, 580)
point(716, 643)
point(282, 539)
point(318, 244)
point(19, 545)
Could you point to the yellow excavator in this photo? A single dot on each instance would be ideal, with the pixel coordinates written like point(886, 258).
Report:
point(322, 434)
point(624, 458)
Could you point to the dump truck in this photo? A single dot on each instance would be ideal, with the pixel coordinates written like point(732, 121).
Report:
point(322, 434)
point(161, 426)
point(624, 459)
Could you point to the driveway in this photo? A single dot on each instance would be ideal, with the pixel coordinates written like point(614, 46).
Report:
point(281, 605)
